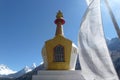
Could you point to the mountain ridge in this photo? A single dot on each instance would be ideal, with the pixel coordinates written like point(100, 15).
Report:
point(9, 73)
point(4, 70)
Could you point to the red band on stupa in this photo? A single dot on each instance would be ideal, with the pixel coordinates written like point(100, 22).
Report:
point(62, 21)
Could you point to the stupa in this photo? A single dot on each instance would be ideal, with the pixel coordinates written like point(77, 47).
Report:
point(59, 56)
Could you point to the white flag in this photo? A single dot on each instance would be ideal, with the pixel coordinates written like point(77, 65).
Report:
point(94, 56)
point(88, 1)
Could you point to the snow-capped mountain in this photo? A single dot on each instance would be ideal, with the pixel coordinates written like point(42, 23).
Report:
point(25, 70)
point(4, 70)
point(114, 44)
point(114, 48)
point(28, 76)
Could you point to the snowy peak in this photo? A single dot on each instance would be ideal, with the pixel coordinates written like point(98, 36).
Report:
point(25, 70)
point(28, 69)
point(33, 66)
point(4, 70)
point(7, 72)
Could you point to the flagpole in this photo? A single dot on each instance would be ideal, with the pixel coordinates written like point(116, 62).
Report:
point(113, 19)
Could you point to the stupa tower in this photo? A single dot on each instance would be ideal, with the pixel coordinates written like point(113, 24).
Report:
point(59, 22)
point(59, 53)
point(59, 56)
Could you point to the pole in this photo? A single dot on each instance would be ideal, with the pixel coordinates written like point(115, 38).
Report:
point(113, 18)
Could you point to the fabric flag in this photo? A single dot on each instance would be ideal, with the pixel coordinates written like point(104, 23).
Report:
point(96, 63)
point(88, 1)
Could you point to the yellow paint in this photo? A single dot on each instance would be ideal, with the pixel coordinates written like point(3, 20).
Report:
point(59, 15)
point(50, 45)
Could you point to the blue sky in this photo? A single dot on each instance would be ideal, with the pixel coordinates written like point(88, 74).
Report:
point(26, 24)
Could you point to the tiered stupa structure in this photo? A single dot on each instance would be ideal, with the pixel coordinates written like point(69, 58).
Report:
point(59, 55)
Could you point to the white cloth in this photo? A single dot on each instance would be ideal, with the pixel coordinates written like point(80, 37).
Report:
point(94, 56)
point(88, 1)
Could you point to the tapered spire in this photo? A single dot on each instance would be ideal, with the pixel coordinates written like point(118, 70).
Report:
point(59, 22)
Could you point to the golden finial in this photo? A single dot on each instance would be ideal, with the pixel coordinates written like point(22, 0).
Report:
point(59, 15)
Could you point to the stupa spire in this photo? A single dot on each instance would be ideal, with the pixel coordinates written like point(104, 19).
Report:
point(59, 22)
